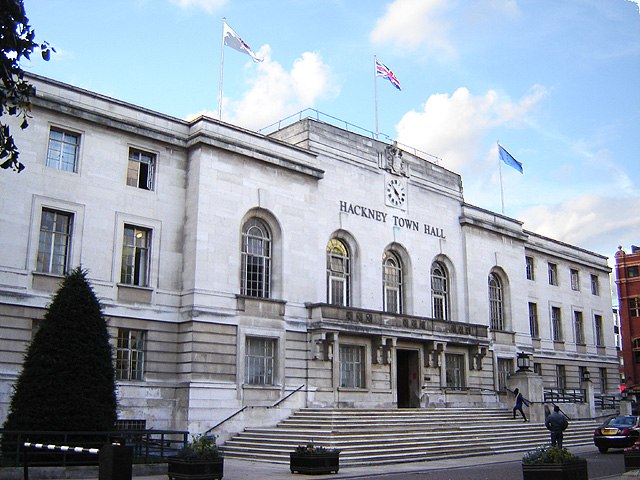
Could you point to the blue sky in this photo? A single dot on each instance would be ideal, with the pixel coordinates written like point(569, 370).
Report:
point(556, 82)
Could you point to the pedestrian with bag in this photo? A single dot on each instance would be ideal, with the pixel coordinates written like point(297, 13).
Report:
point(556, 423)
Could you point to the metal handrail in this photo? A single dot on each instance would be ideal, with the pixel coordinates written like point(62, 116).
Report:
point(286, 397)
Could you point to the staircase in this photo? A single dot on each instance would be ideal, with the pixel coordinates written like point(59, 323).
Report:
point(383, 436)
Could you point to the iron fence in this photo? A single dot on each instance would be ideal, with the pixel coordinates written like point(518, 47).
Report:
point(565, 395)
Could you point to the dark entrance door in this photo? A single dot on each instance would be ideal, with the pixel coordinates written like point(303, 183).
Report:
point(407, 382)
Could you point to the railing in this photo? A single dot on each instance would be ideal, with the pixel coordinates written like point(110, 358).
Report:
point(565, 395)
point(149, 446)
point(607, 402)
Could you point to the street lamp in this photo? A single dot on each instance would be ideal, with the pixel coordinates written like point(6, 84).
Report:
point(523, 362)
point(586, 376)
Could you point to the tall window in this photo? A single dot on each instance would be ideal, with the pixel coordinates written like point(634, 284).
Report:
point(338, 273)
point(55, 242)
point(575, 279)
point(553, 274)
point(603, 381)
point(505, 368)
point(595, 285)
point(634, 307)
point(598, 330)
point(635, 345)
point(141, 169)
point(256, 259)
point(440, 291)
point(556, 324)
point(529, 268)
point(561, 377)
point(130, 354)
point(578, 324)
point(135, 256)
point(496, 309)
point(260, 361)
point(351, 366)
point(454, 370)
point(392, 282)
point(62, 153)
point(533, 320)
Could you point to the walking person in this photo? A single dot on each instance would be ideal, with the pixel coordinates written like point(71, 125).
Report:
point(556, 423)
point(520, 400)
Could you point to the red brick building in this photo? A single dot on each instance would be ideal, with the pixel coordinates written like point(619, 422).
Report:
point(628, 281)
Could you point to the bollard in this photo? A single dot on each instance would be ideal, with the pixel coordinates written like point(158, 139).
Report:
point(115, 462)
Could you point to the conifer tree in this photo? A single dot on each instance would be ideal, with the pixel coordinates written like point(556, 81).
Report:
point(67, 380)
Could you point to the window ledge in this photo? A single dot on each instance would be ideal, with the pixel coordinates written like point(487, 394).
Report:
point(134, 293)
point(261, 387)
point(352, 389)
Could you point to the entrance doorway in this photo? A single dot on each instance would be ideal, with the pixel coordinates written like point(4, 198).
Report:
point(407, 379)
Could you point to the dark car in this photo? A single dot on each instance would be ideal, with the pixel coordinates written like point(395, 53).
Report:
point(617, 432)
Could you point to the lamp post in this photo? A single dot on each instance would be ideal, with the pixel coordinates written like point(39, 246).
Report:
point(586, 375)
point(523, 361)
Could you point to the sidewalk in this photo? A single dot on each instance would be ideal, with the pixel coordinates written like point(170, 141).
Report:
point(235, 469)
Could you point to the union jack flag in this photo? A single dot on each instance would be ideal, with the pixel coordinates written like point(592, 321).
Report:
point(385, 72)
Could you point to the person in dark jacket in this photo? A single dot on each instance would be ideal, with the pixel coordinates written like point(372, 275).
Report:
point(556, 423)
point(520, 400)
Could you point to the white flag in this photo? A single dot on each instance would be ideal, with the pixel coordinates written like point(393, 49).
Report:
point(233, 40)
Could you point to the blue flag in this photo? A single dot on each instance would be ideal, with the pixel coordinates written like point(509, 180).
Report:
point(509, 160)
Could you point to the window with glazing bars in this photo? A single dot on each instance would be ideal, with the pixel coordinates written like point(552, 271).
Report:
point(260, 360)
point(578, 327)
point(351, 366)
point(556, 324)
point(256, 259)
point(496, 309)
point(575, 279)
point(598, 330)
point(533, 320)
point(392, 283)
point(135, 256)
point(141, 169)
point(595, 285)
point(634, 306)
point(55, 241)
point(130, 354)
point(440, 291)
point(454, 370)
point(62, 152)
point(338, 273)
point(553, 274)
point(529, 268)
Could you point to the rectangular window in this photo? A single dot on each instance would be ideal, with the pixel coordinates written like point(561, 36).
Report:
point(141, 168)
point(130, 354)
point(533, 320)
point(505, 368)
point(62, 152)
point(634, 307)
point(553, 274)
point(603, 381)
point(55, 242)
point(260, 361)
point(556, 324)
point(561, 377)
point(135, 256)
point(575, 279)
point(632, 272)
point(529, 268)
point(598, 330)
point(537, 368)
point(595, 285)
point(454, 370)
point(351, 366)
point(578, 324)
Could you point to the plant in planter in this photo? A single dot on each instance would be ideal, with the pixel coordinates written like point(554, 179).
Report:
point(553, 463)
point(314, 460)
point(632, 457)
point(198, 460)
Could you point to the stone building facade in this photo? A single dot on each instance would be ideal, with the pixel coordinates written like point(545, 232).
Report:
point(236, 268)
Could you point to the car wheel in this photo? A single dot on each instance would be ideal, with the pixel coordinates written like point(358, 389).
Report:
point(603, 449)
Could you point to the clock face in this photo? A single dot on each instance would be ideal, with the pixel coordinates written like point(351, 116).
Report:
point(396, 195)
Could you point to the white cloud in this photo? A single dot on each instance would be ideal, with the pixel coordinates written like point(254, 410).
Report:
point(207, 5)
point(453, 127)
point(410, 24)
point(637, 2)
point(275, 93)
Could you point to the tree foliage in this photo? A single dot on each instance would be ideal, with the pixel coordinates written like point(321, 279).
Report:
point(17, 41)
point(67, 380)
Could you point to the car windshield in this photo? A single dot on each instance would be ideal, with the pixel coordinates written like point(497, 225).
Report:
point(627, 421)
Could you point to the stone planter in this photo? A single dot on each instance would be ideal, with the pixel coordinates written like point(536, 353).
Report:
point(632, 460)
point(556, 471)
point(315, 464)
point(192, 469)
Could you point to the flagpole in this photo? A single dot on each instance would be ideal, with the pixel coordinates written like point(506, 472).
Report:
point(375, 93)
point(501, 190)
point(224, 19)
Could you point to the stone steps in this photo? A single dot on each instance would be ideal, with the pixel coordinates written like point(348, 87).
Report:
point(381, 436)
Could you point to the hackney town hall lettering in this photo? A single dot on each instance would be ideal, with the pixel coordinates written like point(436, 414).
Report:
point(396, 221)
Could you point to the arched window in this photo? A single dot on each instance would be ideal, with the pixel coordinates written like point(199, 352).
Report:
point(392, 283)
point(338, 273)
point(496, 309)
point(439, 291)
point(256, 259)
